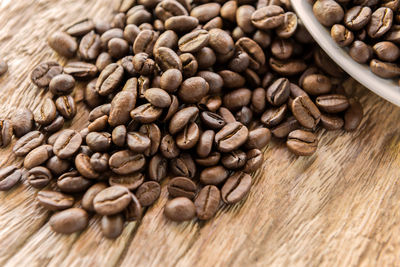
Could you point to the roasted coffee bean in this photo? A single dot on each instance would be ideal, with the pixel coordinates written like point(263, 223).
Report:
point(158, 97)
point(69, 221)
point(157, 169)
point(62, 84)
point(386, 51)
point(92, 97)
point(181, 118)
point(121, 105)
point(258, 138)
point(243, 18)
point(226, 115)
point(47, 112)
point(112, 200)
point(220, 41)
point(328, 12)
point(207, 202)
point(99, 112)
point(231, 137)
point(214, 80)
point(81, 70)
point(84, 167)
point(63, 44)
point(189, 137)
point(39, 177)
point(99, 161)
point(87, 199)
point(38, 156)
point(342, 36)
point(137, 142)
point(205, 12)
point(81, 27)
point(27, 143)
point(360, 51)
point(302, 143)
point(182, 187)
point(234, 160)
point(332, 103)
point(205, 144)
point(66, 106)
point(131, 181)
point(237, 99)
point(193, 41)
point(154, 134)
point(268, 17)
point(169, 8)
point(331, 122)
point(317, 84)
point(210, 160)
point(9, 176)
point(126, 162)
point(273, 116)
point(357, 17)
point(119, 135)
point(90, 46)
point(109, 79)
point(239, 62)
point(22, 122)
point(148, 193)
point(287, 67)
point(6, 132)
point(112, 226)
point(145, 41)
point(384, 69)
point(289, 25)
point(146, 113)
point(380, 23)
point(181, 23)
point(167, 39)
point(255, 52)
point(171, 80)
point(118, 47)
point(72, 182)
point(306, 112)
point(97, 125)
point(353, 115)
point(236, 188)
point(43, 73)
point(67, 144)
point(138, 15)
point(134, 210)
point(180, 209)
point(168, 147)
point(143, 64)
point(57, 166)
point(183, 166)
point(214, 175)
point(54, 201)
point(210, 102)
point(278, 92)
point(232, 79)
point(166, 59)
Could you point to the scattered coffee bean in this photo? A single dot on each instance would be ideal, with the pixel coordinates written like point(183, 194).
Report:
point(180, 209)
point(69, 221)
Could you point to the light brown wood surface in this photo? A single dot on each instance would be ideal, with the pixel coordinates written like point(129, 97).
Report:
point(339, 207)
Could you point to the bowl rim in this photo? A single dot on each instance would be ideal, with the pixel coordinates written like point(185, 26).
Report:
point(385, 88)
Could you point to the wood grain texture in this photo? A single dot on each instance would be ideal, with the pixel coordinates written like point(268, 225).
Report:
point(339, 207)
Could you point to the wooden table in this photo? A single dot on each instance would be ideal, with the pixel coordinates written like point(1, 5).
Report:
point(339, 207)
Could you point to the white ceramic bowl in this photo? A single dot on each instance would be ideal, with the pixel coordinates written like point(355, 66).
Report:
point(386, 88)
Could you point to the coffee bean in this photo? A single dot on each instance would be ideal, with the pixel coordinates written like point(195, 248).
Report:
point(214, 80)
point(143, 64)
point(236, 187)
point(157, 169)
point(328, 12)
point(193, 41)
point(232, 79)
point(213, 175)
point(231, 137)
point(80, 70)
point(66, 106)
point(331, 122)
point(72, 182)
point(273, 116)
point(57, 166)
point(67, 144)
point(43, 73)
point(287, 67)
point(166, 59)
point(47, 112)
point(126, 162)
point(289, 25)
point(169, 8)
point(131, 181)
point(22, 122)
point(6, 132)
point(205, 144)
point(332, 103)
point(27, 143)
point(189, 65)
point(384, 69)
point(69, 221)
point(145, 41)
point(62, 84)
point(258, 138)
point(146, 113)
point(342, 36)
point(9, 176)
point(137, 15)
point(357, 17)
point(84, 167)
point(137, 142)
point(255, 159)
point(87, 199)
point(99, 161)
point(97, 125)
point(287, 126)
point(220, 41)
point(167, 39)
point(158, 97)
point(234, 160)
point(237, 99)
point(205, 12)
point(134, 210)
point(317, 84)
point(80, 28)
point(171, 80)
point(112, 226)
point(381, 21)
point(109, 79)
point(386, 51)
point(302, 143)
point(118, 47)
point(99, 112)
point(111, 200)
point(306, 112)
point(253, 50)
point(148, 193)
point(39, 177)
point(154, 134)
point(180, 209)
point(268, 17)
point(182, 187)
point(181, 118)
point(90, 46)
point(181, 23)
point(168, 147)
point(63, 44)
point(54, 201)
point(38, 156)
point(183, 166)
point(119, 135)
point(353, 115)
point(121, 105)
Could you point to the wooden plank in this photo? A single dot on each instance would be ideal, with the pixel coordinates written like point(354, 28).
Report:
point(338, 207)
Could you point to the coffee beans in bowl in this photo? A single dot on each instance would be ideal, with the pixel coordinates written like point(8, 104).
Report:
point(190, 92)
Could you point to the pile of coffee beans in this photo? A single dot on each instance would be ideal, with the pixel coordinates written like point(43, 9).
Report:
point(189, 91)
point(370, 29)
